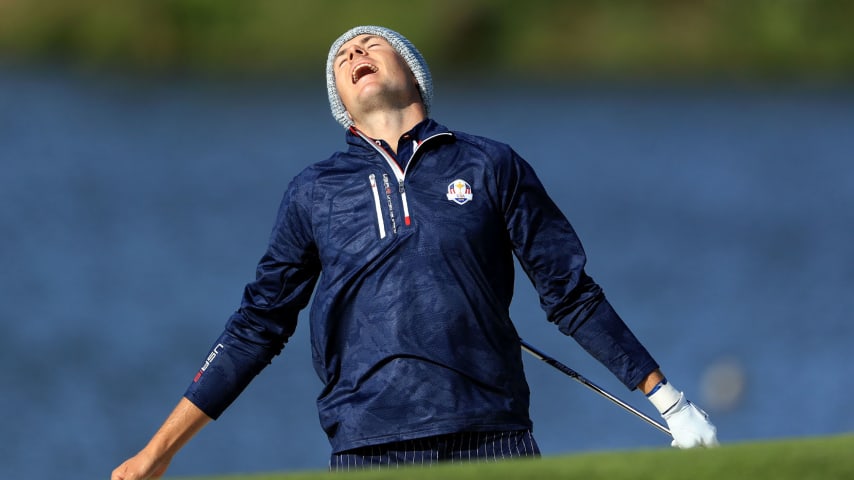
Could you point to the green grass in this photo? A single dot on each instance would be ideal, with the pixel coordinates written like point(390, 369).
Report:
point(803, 458)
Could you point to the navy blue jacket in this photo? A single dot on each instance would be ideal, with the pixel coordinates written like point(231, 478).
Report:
point(412, 270)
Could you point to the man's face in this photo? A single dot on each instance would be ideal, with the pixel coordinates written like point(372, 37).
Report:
point(369, 73)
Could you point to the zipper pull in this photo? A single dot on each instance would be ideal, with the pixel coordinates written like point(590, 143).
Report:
point(400, 188)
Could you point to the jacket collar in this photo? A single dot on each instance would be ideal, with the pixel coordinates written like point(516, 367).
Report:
point(423, 130)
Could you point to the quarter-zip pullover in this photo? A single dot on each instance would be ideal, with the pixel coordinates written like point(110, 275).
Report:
point(412, 271)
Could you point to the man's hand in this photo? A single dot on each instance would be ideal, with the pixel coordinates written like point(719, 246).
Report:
point(152, 461)
point(140, 467)
point(689, 425)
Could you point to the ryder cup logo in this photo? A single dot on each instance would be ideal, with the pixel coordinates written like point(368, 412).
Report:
point(459, 191)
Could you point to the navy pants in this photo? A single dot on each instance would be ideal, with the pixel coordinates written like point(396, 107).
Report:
point(454, 447)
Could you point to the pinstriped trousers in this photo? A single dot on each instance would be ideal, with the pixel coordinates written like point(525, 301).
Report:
point(453, 447)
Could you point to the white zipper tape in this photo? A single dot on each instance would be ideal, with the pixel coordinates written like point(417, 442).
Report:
point(376, 192)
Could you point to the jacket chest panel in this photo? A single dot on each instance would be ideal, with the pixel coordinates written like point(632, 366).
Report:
point(366, 212)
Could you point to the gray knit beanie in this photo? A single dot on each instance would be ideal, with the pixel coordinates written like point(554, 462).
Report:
point(403, 46)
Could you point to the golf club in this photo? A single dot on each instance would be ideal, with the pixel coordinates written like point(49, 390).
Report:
point(587, 383)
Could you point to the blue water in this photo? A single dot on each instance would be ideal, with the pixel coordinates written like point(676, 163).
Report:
point(718, 220)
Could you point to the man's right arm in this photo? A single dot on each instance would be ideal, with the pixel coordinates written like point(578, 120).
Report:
point(152, 461)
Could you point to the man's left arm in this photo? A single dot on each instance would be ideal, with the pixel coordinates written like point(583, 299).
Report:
point(576, 304)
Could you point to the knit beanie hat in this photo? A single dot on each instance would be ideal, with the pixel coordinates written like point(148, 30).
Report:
point(397, 41)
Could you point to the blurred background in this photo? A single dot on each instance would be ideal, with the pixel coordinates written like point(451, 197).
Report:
point(703, 151)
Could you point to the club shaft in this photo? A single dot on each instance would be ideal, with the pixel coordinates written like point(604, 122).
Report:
point(592, 386)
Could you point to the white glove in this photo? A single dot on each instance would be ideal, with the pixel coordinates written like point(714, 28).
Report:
point(689, 426)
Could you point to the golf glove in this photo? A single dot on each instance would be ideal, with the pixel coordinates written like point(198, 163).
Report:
point(689, 425)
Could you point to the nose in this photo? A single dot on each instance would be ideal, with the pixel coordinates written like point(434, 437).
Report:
point(356, 50)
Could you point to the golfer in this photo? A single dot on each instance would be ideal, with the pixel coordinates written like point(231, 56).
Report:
point(407, 241)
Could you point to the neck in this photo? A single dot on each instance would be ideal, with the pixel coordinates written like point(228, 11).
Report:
point(390, 125)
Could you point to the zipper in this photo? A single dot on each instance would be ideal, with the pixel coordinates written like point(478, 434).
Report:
point(399, 174)
point(380, 223)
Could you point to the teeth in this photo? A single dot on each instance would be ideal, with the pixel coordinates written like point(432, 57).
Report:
point(360, 72)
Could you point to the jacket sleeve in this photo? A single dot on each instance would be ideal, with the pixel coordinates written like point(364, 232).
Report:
point(552, 256)
point(267, 317)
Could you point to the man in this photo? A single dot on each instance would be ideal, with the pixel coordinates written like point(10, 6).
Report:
point(407, 241)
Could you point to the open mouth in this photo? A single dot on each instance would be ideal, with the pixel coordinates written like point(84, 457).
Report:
point(362, 70)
